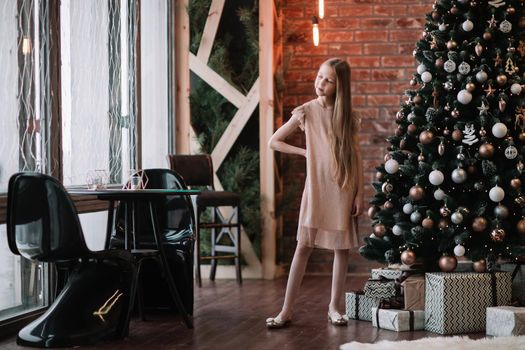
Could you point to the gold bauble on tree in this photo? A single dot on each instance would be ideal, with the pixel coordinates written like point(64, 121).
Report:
point(436, 15)
point(448, 263)
point(426, 137)
point(379, 230)
point(470, 87)
point(412, 128)
point(457, 135)
point(452, 45)
point(522, 136)
point(480, 265)
point(521, 23)
point(501, 79)
point(487, 36)
point(418, 100)
point(479, 224)
point(427, 223)
point(486, 150)
point(515, 183)
point(372, 211)
point(388, 205)
point(520, 227)
point(408, 257)
point(443, 223)
point(416, 193)
point(498, 235)
point(380, 176)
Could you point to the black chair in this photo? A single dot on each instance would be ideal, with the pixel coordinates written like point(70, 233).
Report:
point(197, 170)
point(175, 217)
point(94, 304)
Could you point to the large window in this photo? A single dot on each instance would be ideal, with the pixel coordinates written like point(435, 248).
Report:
point(86, 85)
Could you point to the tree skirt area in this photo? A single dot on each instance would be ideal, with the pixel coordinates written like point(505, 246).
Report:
point(449, 343)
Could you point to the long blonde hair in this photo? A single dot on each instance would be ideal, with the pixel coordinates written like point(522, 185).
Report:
point(344, 140)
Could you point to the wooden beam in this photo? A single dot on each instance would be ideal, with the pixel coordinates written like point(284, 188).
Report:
point(182, 73)
point(210, 30)
point(266, 121)
point(236, 125)
point(216, 81)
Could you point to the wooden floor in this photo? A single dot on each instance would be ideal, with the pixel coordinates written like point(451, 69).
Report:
point(230, 317)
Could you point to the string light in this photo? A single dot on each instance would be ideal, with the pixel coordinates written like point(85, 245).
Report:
point(26, 45)
point(315, 30)
point(321, 9)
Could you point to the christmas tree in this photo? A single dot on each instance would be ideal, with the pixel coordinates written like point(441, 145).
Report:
point(452, 181)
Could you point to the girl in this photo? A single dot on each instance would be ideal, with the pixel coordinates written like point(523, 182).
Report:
point(333, 192)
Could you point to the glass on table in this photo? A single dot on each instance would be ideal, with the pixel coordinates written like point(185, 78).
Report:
point(97, 179)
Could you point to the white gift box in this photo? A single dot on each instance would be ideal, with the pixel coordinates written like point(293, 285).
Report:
point(398, 320)
point(456, 302)
point(359, 306)
point(505, 321)
point(391, 274)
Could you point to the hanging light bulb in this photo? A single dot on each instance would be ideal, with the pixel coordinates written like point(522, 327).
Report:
point(321, 9)
point(315, 28)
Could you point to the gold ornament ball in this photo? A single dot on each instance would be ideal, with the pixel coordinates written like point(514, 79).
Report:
point(380, 176)
point(446, 132)
point(479, 224)
point(426, 137)
point(443, 223)
point(470, 87)
point(403, 144)
point(482, 132)
point(399, 131)
point(486, 150)
point(454, 113)
point(418, 100)
point(511, 10)
point(372, 211)
point(498, 235)
point(501, 79)
point(421, 158)
point(439, 63)
point(416, 193)
point(388, 205)
point(452, 45)
point(515, 183)
point(479, 266)
point(413, 82)
point(427, 223)
point(448, 263)
point(444, 211)
point(454, 10)
point(520, 226)
point(457, 135)
point(379, 230)
point(521, 23)
point(487, 36)
point(408, 257)
point(436, 15)
point(522, 136)
point(412, 128)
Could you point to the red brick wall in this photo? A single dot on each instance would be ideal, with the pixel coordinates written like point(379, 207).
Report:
point(377, 38)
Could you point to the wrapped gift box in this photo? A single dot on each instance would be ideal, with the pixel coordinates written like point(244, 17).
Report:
point(398, 320)
point(414, 293)
point(390, 274)
point(456, 302)
point(359, 306)
point(381, 288)
point(505, 321)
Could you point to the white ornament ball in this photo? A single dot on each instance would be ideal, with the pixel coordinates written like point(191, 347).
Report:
point(426, 77)
point(481, 76)
point(499, 130)
point(439, 194)
point(442, 27)
point(436, 177)
point(421, 69)
point(396, 230)
point(496, 194)
point(416, 217)
point(467, 25)
point(408, 208)
point(411, 116)
point(515, 89)
point(464, 97)
point(391, 166)
point(511, 152)
point(459, 250)
point(456, 217)
point(449, 66)
point(459, 175)
point(501, 211)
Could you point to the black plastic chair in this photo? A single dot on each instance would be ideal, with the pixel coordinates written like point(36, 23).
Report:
point(94, 304)
point(175, 217)
point(197, 170)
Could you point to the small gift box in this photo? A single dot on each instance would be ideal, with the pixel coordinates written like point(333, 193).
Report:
point(390, 274)
point(398, 320)
point(381, 288)
point(505, 321)
point(414, 293)
point(359, 306)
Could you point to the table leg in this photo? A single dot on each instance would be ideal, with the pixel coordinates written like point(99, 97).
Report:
point(110, 223)
point(167, 271)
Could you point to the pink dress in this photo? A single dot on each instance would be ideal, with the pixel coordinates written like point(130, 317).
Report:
point(325, 218)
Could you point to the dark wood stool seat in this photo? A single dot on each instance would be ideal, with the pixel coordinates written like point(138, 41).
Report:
point(197, 170)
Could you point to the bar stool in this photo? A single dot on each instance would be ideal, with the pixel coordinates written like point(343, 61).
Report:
point(197, 170)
